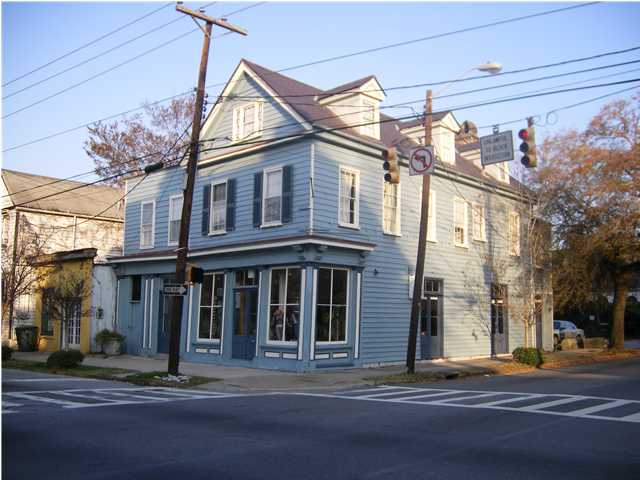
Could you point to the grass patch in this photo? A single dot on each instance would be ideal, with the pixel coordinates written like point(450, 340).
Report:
point(570, 358)
point(104, 373)
point(79, 371)
point(151, 379)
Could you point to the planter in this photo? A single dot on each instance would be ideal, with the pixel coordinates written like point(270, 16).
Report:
point(112, 347)
point(27, 338)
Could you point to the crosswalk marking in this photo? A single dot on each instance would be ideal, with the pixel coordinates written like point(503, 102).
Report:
point(536, 403)
point(103, 397)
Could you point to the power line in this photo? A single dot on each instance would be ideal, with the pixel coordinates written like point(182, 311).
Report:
point(94, 171)
point(102, 37)
point(109, 50)
point(108, 70)
point(462, 107)
point(328, 130)
point(440, 35)
point(548, 12)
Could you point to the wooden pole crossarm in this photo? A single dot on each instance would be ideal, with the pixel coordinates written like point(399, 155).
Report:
point(215, 21)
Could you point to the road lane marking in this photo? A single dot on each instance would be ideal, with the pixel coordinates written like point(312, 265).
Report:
point(541, 402)
point(103, 397)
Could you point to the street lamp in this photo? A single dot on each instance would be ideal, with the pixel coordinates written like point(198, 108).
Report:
point(489, 67)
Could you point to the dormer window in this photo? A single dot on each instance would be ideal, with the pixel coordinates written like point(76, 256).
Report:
point(247, 120)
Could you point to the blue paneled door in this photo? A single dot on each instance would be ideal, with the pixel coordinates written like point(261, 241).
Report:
point(164, 321)
point(245, 315)
point(431, 327)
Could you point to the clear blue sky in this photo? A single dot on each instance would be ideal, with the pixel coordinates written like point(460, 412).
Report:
point(286, 34)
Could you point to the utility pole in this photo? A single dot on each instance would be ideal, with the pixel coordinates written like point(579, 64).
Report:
point(183, 243)
point(422, 244)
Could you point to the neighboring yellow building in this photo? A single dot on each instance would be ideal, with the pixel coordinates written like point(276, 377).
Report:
point(67, 275)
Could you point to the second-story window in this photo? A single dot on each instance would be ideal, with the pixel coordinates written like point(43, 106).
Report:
point(478, 222)
point(369, 118)
point(432, 218)
point(147, 220)
point(272, 198)
point(391, 208)
point(514, 233)
point(460, 233)
point(175, 214)
point(349, 198)
point(218, 208)
point(247, 120)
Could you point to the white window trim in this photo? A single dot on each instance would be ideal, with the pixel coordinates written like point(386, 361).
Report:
point(275, 223)
point(483, 225)
point(511, 233)
point(212, 341)
point(465, 243)
point(356, 224)
point(432, 231)
point(346, 315)
point(153, 224)
point(284, 343)
point(169, 242)
point(398, 232)
point(239, 136)
point(213, 232)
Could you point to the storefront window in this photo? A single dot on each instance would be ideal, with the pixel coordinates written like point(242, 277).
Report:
point(211, 304)
point(284, 305)
point(331, 305)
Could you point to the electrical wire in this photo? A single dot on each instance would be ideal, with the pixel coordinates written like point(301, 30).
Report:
point(102, 37)
point(105, 52)
point(110, 69)
point(548, 12)
point(328, 130)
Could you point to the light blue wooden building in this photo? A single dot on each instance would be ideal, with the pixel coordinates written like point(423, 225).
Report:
point(309, 255)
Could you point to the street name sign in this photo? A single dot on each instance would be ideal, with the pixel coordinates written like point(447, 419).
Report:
point(174, 290)
point(496, 148)
point(422, 161)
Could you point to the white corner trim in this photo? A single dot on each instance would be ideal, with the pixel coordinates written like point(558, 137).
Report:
point(303, 278)
point(189, 318)
point(356, 347)
point(312, 337)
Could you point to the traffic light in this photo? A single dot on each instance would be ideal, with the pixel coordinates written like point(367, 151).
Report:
point(528, 145)
point(390, 157)
point(194, 274)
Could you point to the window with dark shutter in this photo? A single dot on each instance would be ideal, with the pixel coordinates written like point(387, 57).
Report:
point(206, 205)
point(257, 199)
point(231, 205)
point(287, 193)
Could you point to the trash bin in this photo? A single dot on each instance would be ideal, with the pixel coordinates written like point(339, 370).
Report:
point(27, 338)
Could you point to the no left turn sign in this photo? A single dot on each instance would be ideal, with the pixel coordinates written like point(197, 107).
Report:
point(422, 161)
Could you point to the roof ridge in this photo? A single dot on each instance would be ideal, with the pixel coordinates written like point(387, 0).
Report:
point(253, 64)
point(60, 180)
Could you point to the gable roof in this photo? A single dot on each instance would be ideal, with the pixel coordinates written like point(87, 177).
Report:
point(348, 86)
point(304, 100)
point(26, 189)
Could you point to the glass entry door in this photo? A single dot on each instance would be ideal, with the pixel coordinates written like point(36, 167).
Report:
point(164, 321)
point(431, 328)
point(245, 317)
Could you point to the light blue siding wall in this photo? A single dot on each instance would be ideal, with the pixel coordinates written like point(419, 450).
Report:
point(385, 301)
point(162, 185)
point(276, 120)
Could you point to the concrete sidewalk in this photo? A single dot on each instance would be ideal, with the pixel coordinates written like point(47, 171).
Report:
point(250, 379)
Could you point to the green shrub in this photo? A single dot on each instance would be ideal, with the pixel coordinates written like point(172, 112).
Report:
point(106, 336)
point(7, 351)
point(528, 356)
point(65, 359)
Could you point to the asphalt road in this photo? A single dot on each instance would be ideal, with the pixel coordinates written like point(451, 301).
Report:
point(582, 422)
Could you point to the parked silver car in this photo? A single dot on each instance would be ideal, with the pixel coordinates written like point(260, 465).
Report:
point(563, 329)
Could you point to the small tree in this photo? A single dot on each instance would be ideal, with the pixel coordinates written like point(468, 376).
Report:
point(18, 272)
point(66, 296)
point(141, 139)
point(592, 181)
